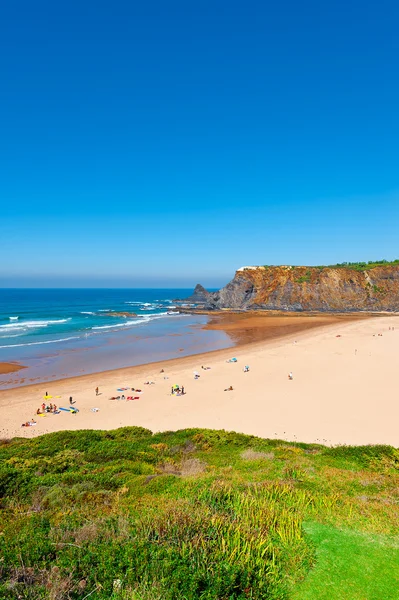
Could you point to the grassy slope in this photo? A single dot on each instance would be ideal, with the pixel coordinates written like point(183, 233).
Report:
point(351, 564)
point(196, 514)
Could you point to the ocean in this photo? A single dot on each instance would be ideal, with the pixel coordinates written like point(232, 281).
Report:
point(65, 332)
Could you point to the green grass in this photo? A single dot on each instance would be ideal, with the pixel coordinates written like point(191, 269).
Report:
point(353, 266)
point(351, 565)
point(195, 514)
point(366, 266)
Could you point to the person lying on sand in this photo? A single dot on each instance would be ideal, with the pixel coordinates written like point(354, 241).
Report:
point(229, 389)
point(29, 423)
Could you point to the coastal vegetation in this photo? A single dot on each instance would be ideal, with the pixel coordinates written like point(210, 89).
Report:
point(364, 266)
point(196, 514)
point(354, 266)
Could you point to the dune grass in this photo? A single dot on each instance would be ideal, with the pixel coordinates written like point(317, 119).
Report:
point(195, 514)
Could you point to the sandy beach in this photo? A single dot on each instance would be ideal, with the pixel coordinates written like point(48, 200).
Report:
point(344, 390)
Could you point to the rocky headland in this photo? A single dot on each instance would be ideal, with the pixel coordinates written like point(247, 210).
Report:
point(321, 289)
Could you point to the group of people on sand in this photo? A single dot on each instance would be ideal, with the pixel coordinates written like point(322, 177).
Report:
point(42, 410)
point(178, 390)
point(46, 408)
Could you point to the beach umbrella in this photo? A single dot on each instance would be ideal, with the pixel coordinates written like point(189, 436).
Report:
point(176, 386)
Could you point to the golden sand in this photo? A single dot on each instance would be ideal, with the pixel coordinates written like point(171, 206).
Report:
point(344, 390)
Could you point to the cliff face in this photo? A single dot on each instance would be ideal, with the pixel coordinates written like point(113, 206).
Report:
point(310, 289)
point(200, 295)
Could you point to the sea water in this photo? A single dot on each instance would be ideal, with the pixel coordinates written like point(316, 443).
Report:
point(64, 332)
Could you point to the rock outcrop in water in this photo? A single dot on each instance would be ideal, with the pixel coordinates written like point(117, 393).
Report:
point(199, 296)
point(325, 289)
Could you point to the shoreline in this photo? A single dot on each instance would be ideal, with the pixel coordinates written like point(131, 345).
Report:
point(343, 390)
point(248, 329)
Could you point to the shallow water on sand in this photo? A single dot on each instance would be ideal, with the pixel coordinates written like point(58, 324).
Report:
point(62, 333)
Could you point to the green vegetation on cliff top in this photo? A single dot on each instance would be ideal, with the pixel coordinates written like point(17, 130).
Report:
point(196, 514)
point(354, 266)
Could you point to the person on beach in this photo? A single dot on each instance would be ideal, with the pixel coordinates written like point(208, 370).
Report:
point(43, 407)
point(182, 390)
point(246, 368)
point(290, 376)
point(96, 391)
point(229, 389)
point(70, 400)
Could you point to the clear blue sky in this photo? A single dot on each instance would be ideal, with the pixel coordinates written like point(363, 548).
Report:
point(170, 142)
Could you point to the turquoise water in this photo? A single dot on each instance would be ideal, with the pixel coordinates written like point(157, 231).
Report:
point(65, 332)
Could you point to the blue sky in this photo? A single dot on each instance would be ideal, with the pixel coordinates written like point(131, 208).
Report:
point(165, 143)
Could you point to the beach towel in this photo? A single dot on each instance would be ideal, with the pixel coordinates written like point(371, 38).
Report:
point(122, 389)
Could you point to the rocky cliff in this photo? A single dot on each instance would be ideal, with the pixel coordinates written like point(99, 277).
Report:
point(200, 295)
point(310, 289)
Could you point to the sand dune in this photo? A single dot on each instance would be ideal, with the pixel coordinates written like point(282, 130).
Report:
point(344, 390)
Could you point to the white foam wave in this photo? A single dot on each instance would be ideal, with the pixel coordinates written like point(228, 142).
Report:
point(104, 310)
point(13, 318)
point(143, 320)
point(39, 343)
point(161, 314)
point(30, 324)
point(87, 312)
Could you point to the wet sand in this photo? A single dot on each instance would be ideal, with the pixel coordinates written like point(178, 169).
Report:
point(238, 329)
point(255, 326)
point(6, 367)
point(343, 390)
